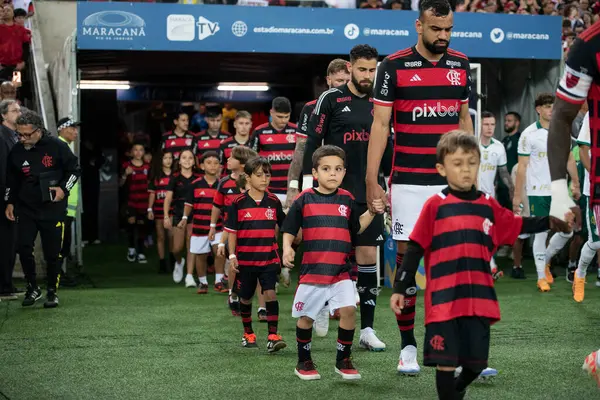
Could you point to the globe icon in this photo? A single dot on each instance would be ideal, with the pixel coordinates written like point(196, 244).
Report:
point(239, 28)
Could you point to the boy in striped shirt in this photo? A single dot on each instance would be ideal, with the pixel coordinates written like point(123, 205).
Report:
point(252, 224)
point(330, 223)
point(457, 232)
point(200, 205)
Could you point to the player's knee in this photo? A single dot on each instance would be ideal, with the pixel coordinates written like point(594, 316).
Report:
point(401, 247)
point(347, 313)
point(445, 368)
point(245, 301)
point(305, 322)
point(270, 295)
point(366, 255)
point(131, 220)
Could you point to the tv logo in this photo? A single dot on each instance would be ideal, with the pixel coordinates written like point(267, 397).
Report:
point(182, 28)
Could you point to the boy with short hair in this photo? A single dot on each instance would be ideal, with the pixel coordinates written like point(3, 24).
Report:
point(457, 232)
point(135, 175)
point(252, 225)
point(242, 125)
point(330, 223)
point(227, 191)
point(201, 199)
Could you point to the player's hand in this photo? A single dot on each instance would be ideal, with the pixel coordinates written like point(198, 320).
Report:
point(182, 224)
point(10, 212)
point(517, 205)
point(397, 302)
point(289, 255)
point(575, 191)
point(379, 206)
point(374, 192)
point(128, 171)
point(220, 251)
point(234, 265)
point(167, 222)
point(150, 216)
point(58, 193)
point(292, 193)
point(211, 234)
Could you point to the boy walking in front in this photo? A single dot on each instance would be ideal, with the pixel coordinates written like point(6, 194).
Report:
point(458, 231)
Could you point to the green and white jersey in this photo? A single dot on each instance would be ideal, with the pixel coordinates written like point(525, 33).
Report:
point(584, 139)
point(492, 157)
point(534, 144)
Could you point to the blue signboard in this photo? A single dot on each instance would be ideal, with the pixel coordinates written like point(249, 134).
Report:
point(216, 28)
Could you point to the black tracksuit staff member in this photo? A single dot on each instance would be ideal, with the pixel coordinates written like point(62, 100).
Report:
point(41, 171)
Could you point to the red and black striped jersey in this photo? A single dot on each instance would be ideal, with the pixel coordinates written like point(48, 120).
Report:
point(227, 145)
point(254, 224)
point(137, 186)
point(227, 191)
point(181, 187)
point(329, 223)
point(206, 142)
point(581, 81)
point(201, 199)
point(277, 147)
point(172, 143)
point(159, 187)
point(459, 238)
point(305, 114)
point(426, 98)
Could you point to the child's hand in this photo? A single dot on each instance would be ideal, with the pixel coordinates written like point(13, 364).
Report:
point(182, 224)
point(221, 250)
point(565, 226)
point(167, 222)
point(211, 234)
point(379, 206)
point(397, 302)
point(289, 255)
point(150, 216)
point(233, 264)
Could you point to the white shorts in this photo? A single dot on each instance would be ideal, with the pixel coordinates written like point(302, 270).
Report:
point(281, 197)
point(201, 244)
point(310, 299)
point(407, 203)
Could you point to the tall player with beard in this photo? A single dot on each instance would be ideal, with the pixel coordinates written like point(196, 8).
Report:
point(427, 88)
point(343, 118)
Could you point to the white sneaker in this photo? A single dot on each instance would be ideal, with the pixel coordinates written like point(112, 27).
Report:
point(141, 259)
point(178, 271)
point(131, 255)
point(407, 365)
point(485, 374)
point(321, 324)
point(357, 297)
point(189, 281)
point(368, 340)
point(285, 277)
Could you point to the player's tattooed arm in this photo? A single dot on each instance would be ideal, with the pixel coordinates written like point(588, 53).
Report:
point(559, 137)
point(506, 179)
point(465, 122)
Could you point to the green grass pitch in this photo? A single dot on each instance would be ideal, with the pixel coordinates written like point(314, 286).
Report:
point(136, 335)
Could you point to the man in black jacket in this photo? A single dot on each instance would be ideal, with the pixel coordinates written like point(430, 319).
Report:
point(10, 111)
point(41, 172)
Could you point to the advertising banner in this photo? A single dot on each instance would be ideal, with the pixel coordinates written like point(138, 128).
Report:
point(220, 28)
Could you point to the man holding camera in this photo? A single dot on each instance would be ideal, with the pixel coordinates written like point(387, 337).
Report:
point(41, 171)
